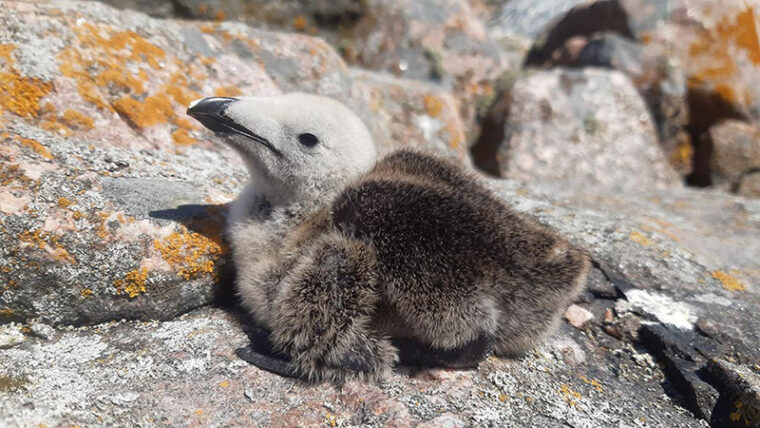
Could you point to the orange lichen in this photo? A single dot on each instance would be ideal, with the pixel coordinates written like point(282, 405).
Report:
point(682, 155)
point(300, 23)
point(729, 282)
point(220, 16)
point(569, 394)
point(77, 120)
point(208, 29)
point(224, 384)
point(433, 105)
point(87, 292)
point(640, 239)
point(64, 202)
point(182, 137)
point(714, 46)
point(185, 124)
point(133, 282)
point(154, 110)
point(228, 91)
point(6, 313)
point(19, 94)
point(36, 146)
point(89, 92)
point(593, 382)
point(191, 254)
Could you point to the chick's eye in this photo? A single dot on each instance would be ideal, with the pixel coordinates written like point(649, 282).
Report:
point(308, 140)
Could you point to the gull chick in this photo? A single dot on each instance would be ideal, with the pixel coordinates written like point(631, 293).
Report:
point(349, 263)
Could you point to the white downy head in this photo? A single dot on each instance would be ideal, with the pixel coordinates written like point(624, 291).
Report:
point(296, 146)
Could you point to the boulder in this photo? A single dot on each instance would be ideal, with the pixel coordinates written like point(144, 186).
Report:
point(582, 128)
point(735, 152)
point(111, 199)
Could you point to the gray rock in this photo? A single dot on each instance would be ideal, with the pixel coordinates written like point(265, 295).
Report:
point(582, 128)
point(736, 151)
point(741, 387)
point(749, 186)
point(185, 371)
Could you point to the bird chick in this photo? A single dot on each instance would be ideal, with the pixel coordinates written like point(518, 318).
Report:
point(351, 264)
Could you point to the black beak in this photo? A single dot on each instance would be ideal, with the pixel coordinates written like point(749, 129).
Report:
point(211, 113)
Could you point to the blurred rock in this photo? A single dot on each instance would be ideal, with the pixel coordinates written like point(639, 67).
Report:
point(749, 185)
point(578, 316)
point(735, 152)
point(408, 113)
point(435, 40)
point(582, 128)
point(740, 388)
point(661, 83)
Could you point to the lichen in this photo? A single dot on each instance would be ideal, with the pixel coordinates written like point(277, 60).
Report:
point(729, 282)
point(228, 91)
point(191, 254)
point(183, 138)
point(433, 105)
point(77, 120)
point(12, 383)
point(36, 146)
point(640, 239)
point(133, 283)
point(19, 94)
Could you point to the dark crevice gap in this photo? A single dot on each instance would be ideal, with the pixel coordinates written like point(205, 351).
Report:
point(706, 108)
point(601, 16)
point(485, 151)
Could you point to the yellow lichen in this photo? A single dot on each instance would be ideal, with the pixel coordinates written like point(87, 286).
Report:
point(36, 146)
point(433, 105)
point(729, 282)
point(593, 382)
point(224, 384)
point(331, 419)
point(133, 283)
point(300, 23)
point(77, 120)
point(153, 111)
point(569, 394)
point(640, 239)
point(64, 202)
point(6, 313)
point(228, 91)
point(87, 292)
point(19, 94)
point(191, 254)
point(183, 138)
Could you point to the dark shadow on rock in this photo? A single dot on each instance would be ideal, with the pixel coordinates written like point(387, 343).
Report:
point(706, 109)
point(210, 221)
point(598, 17)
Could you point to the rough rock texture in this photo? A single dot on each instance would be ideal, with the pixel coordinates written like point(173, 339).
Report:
point(92, 234)
point(583, 128)
point(662, 85)
point(92, 105)
point(185, 372)
point(111, 203)
point(742, 392)
point(749, 185)
point(735, 151)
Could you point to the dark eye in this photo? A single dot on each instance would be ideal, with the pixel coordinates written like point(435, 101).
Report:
point(308, 140)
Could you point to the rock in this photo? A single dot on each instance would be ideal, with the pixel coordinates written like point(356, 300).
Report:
point(661, 83)
point(736, 152)
point(185, 371)
point(582, 128)
point(10, 335)
point(110, 233)
point(408, 113)
point(578, 316)
point(112, 200)
point(442, 41)
point(683, 363)
point(740, 388)
point(749, 185)
point(41, 330)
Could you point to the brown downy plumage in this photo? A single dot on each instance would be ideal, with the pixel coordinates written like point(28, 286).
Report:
point(413, 259)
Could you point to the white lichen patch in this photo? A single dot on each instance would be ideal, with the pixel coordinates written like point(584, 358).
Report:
point(660, 306)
